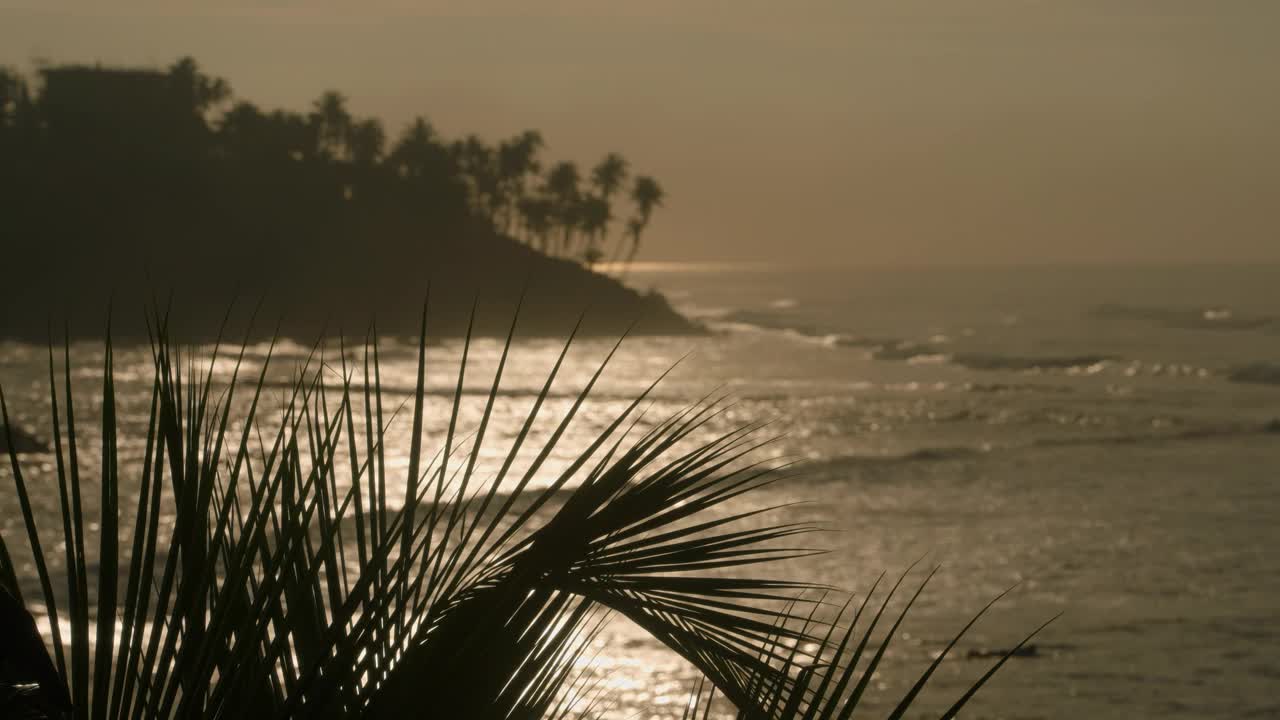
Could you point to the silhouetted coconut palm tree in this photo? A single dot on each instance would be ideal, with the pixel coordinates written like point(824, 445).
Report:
point(632, 234)
point(607, 178)
point(647, 195)
point(365, 142)
point(562, 186)
point(247, 133)
point(199, 91)
point(333, 123)
point(517, 160)
point(593, 218)
point(609, 174)
point(591, 256)
point(419, 153)
point(478, 164)
point(536, 216)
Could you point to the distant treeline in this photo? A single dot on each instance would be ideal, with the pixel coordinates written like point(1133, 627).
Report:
point(112, 176)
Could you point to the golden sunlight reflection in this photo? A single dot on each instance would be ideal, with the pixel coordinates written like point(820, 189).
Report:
point(1005, 470)
point(650, 267)
point(627, 350)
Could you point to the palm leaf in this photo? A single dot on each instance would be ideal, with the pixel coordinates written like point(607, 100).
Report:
point(294, 586)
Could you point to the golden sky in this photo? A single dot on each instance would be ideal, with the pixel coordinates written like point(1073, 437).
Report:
point(842, 131)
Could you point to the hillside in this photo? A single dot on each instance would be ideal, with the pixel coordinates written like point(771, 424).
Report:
point(335, 285)
point(136, 186)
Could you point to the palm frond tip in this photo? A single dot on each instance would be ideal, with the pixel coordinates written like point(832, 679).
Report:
point(294, 585)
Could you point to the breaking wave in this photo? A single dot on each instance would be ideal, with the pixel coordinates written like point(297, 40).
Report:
point(773, 321)
point(940, 350)
point(1206, 318)
point(929, 352)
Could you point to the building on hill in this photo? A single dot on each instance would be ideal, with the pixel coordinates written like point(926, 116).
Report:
point(105, 113)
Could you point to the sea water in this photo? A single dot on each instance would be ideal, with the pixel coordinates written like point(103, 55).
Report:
point(1105, 439)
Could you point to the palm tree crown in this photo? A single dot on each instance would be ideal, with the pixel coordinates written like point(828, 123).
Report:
point(332, 121)
point(609, 174)
point(366, 141)
point(647, 194)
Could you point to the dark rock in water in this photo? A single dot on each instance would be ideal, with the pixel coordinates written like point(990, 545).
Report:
point(1028, 651)
point(941, 453)
point(979, 361)
point(1272, 427)
point(1256, 374)
point(1188, 318)
point(22, 441)
point(870, 343)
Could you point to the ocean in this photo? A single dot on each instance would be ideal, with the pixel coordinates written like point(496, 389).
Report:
point(1107, 439)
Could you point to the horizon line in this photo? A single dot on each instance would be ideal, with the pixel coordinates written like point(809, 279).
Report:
point(698, 266)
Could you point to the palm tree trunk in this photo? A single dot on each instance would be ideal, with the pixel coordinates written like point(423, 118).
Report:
point(635, 247)
point(618, 249)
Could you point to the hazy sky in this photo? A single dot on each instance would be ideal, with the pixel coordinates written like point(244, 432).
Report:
point(847, 131)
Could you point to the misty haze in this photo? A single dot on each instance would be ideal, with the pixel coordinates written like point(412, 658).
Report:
point(567, 360)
